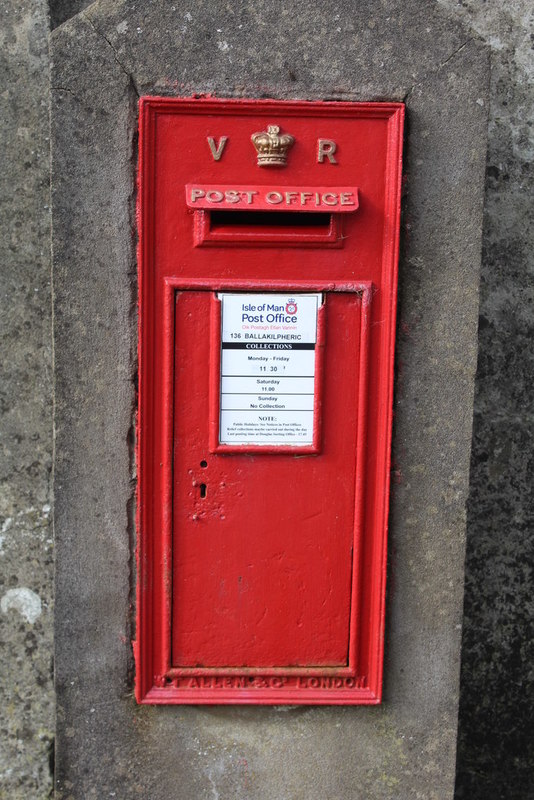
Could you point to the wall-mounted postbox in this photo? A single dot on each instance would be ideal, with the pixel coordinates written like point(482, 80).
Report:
point(268, 252)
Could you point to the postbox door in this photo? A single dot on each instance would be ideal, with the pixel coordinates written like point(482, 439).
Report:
point(263, 542)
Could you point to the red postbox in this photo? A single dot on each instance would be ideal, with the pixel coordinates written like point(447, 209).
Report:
point(268, 239)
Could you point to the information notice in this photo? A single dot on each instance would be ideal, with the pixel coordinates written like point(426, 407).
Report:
point(268, 368)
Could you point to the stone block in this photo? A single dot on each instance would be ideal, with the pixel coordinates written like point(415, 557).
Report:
point(103, 59)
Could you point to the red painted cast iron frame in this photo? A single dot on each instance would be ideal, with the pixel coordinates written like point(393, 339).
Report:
point(157, 681)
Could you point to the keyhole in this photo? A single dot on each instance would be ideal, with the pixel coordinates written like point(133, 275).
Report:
point(203, 490)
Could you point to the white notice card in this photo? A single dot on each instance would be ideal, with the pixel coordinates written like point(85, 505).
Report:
point(268, 368)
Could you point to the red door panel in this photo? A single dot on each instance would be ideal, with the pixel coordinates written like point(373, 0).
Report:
point(263, 544)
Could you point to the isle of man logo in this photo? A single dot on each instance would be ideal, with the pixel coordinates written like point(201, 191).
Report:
point(291, 307)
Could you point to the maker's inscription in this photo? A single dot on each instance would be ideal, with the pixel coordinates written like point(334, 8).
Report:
point(264, 682)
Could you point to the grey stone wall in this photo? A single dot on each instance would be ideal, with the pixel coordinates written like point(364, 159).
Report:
point(495, 754)
point(26, 699)
point(62, 10)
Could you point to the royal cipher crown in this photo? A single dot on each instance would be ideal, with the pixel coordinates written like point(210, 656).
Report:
point(271, 147)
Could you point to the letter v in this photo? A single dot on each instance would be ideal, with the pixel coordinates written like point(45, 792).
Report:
point(217, 150)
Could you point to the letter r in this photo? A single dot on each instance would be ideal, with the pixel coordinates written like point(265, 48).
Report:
point(326, 147)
